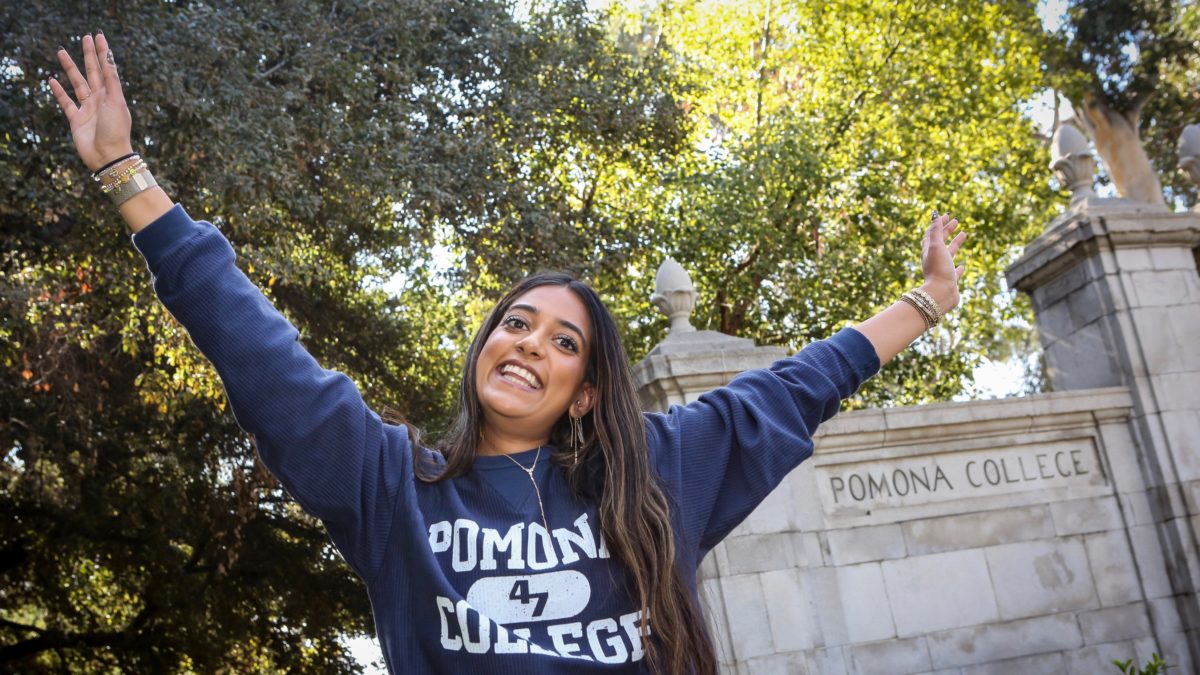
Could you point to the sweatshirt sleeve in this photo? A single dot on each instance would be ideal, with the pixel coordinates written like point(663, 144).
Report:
point(722, 454)
point(311, 426)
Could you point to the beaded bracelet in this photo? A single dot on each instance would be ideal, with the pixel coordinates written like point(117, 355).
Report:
point(124, 182)
point(925, 305)
point(925, 317)
point(97, 173)
point(929, 303)
point(120, 179)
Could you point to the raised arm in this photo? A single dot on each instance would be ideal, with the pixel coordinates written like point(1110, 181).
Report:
point(311, 426)
point(895, 328)
point(725, 452)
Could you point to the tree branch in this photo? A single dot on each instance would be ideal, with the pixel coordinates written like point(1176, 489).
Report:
point(55, 640)
point(21, 626)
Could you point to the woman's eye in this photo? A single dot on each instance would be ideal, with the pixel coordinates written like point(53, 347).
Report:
point(568, 343)
point(515, 322)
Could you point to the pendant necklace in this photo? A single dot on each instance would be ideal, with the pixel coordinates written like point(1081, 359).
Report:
point(529, 472)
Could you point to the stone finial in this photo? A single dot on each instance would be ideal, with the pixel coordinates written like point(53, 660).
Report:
point(1189, 152)
point(1072, 162)
point(675, 296)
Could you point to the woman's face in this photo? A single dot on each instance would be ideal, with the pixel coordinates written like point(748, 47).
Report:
point(531, 367)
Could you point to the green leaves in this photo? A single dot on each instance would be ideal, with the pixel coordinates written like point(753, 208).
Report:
point(337, 146)
point(1139, 59)
point(385, 170)
point(823, 136)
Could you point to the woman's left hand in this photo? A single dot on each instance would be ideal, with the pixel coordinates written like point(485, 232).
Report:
point(937, 261)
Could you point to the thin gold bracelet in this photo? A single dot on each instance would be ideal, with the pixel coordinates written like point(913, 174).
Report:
point(930, 303)
point(925, 316)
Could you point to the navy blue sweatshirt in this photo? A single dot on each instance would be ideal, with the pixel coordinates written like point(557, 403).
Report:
point(462, 574)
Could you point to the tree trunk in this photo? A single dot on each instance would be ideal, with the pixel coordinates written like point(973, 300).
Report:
point(1120, 147)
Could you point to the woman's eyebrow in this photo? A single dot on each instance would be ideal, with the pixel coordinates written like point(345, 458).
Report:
point(534, 310)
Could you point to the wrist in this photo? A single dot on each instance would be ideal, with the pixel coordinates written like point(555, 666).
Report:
point(944, 294)
point(108, 155)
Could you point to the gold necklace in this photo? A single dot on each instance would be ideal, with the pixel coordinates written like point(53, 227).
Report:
point(529, 472)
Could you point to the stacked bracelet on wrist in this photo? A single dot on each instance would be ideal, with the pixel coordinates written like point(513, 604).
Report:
point(124, 178)
point(925, 305)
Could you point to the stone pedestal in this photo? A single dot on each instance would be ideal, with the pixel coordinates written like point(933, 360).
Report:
point(685, 365)
point(1116, 294)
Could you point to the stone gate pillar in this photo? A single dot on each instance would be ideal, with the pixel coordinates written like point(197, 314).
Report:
point(687, 363)
point(1116, 297)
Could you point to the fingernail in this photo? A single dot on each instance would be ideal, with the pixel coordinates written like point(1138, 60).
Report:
point(62, 48)
point(99, 32)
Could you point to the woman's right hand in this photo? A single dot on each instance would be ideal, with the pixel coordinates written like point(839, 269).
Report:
point(100, 124)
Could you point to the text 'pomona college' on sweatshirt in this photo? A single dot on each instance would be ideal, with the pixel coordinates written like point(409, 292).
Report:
point(462, 574)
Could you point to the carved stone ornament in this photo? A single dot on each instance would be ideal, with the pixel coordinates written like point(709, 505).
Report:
point(1189, 152)
point(675, 296)
point(1072, 162)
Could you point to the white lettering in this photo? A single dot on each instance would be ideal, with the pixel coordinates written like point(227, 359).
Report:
point(527, 546)
point(534, 648)
point(558, 634)
point(583, 540)
point(539, 538)
point(445, 606)
point(503, 646)
point(466, 534)
point(439, 536)
point(511, 542)
point(634, 632)
point(605, 638)
point(481, 645)
point(619, 653)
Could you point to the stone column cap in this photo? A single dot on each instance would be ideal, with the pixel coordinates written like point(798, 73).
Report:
point(712, 356)
point(1100, 223)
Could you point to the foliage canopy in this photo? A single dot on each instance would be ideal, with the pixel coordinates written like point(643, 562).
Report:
point(1139, 59)
point(335, 144)
point(384, 170)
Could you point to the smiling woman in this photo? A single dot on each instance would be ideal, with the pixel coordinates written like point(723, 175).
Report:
point(532, 366)
point(558, 528)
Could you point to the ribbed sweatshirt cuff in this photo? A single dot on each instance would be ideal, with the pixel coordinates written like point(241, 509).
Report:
point(858, 351)
point(158, 240)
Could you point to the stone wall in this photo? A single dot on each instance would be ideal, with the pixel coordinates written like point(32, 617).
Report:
point(997, 544)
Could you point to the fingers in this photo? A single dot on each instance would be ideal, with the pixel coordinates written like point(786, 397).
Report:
point(91, 63)
point(64, 100)
point(942, 230)
point(80, 85)
point(945, 223)
point(957, 243)
point(112, 81)
point(931, 232)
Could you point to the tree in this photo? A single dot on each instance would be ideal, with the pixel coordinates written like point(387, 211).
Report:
point(787, 153)
point(823, 134)
point(334, 144)
point(1129, 70)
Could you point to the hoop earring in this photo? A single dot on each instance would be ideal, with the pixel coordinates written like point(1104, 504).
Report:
point(576, 435)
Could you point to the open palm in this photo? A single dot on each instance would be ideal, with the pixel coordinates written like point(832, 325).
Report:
point(937, 257)
point(100, 123)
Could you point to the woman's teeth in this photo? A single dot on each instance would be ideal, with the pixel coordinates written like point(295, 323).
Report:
point(519, 374)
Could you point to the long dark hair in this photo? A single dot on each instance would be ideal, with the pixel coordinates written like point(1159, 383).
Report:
point(613, 471)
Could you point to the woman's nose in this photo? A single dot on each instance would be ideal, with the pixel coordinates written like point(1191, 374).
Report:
point(529, 344)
